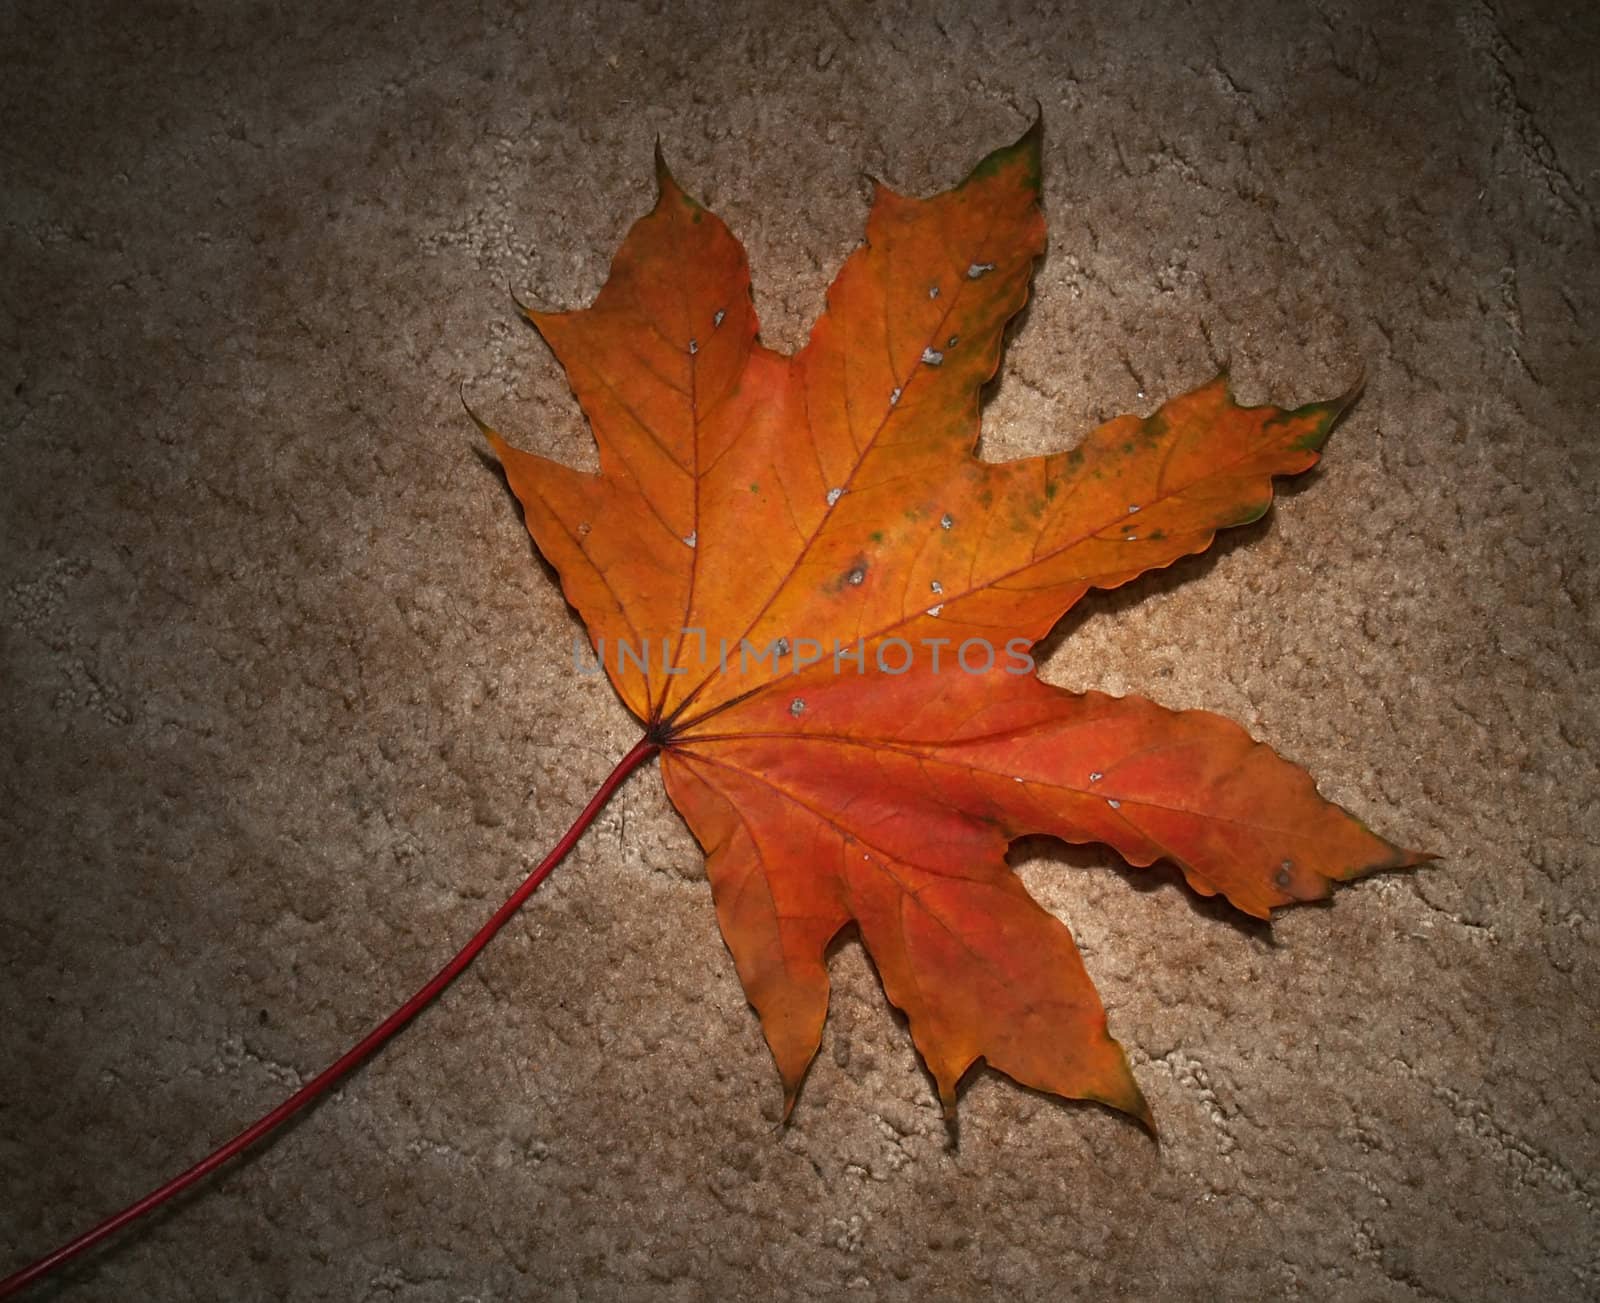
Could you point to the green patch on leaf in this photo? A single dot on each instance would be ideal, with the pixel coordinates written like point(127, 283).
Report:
point(1025, 152)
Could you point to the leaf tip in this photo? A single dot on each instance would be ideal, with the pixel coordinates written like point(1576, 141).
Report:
point(1325, 415)
point(667, 186)
point(1123, 1093)
point(1033, 138)
point(483, 426)
point(1404, 858)
point(1027, 150)
point(1142, 1114)
point(1353, 391)
point(882, 192)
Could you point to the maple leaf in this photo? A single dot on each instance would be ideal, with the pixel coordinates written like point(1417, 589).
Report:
point(798, 574)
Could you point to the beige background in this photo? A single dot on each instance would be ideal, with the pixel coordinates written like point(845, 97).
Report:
point(288, 703)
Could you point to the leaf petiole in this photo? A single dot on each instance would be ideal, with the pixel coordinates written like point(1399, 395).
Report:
point(354, 1057)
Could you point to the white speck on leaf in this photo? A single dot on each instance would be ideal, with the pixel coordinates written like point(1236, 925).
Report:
point(978, 269)
point(931, 357)
point(690, 538)
point(946, 521)
point(797, 707)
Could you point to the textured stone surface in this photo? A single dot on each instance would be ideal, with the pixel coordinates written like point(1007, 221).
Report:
point(288, 703)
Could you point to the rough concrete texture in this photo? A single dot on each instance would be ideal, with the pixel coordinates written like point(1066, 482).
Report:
point(289, 702)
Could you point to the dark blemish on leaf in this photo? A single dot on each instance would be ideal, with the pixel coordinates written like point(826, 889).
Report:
point(978, 269)
point(755, 488)
point(876, 536)
point(1283, 873)
point(931, 357)
point(952, 341)
point(797, 707)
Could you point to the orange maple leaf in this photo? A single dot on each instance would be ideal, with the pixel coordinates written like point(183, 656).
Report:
point(797, 573)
